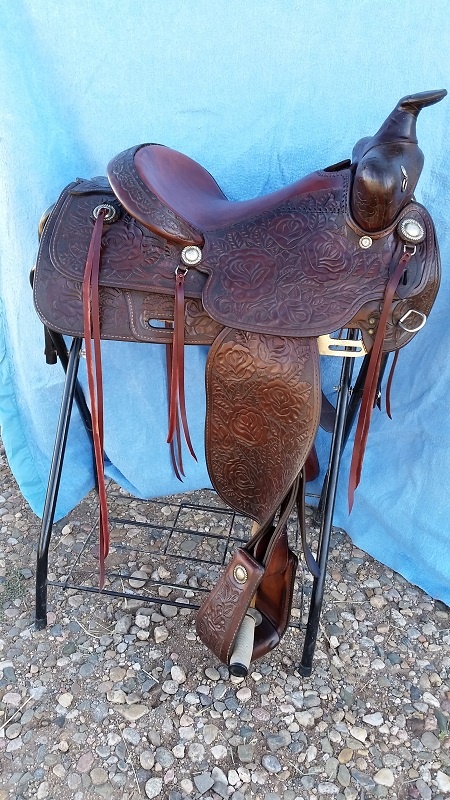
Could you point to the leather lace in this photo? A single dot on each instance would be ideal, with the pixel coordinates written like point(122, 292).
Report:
point(177, 402)
point(91, 311)
point(371, 383)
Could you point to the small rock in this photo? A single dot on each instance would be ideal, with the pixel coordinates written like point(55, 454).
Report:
point(147, 759)
point(305, 719)
point(85, 763)
point(116, 696)
point(245, 753)
point(328, 789)
point(443, 782)
point(98, 776)
point(138, 579)
point(244, 694)
point(278, 740)
point(359, 734)
point(170, 687)
point(169, 611)
point(164, 757)
point(271, 764)
point(12, 699)
point(161, 634)
point(65, 700)
point(363, 779)
point(178, 674)
point(123, 624)
point(153, 787)
point(134, 712)
point(196, 752)
point(430, 741)
point(297, 699)
point(13, 731)
point(343, 776)
point(375, 719)
point(384, 777)
point(131, 735)
point(430, 700)
point(203, 782)
point(42, 791)
point(210, 733)
point(345, 755)
point(142, 621)
point(212, 673)
point(219, 751)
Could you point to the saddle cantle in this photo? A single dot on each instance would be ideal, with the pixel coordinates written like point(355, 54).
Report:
point(157, 253)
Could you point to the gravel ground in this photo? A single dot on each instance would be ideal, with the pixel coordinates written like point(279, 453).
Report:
point(118, 699)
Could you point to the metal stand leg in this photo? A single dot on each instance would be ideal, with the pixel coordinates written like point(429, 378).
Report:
point(53, 483)
point(331, 479)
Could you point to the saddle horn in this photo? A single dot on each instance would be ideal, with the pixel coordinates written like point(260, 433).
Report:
point(387, 165)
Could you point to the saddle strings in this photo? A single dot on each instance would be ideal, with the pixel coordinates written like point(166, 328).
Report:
point(91, 313)
point(177, 402)
point(176, 455)
point(371, 382)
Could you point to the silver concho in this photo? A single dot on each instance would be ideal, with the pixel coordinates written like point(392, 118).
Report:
point(365, 242)
point(191, 255)
point(410, 230)
point(240, 574)
point(111, 212)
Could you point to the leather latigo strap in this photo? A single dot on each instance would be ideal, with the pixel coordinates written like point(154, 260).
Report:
point(372, 378)
point(177, 401)
point(95, 382)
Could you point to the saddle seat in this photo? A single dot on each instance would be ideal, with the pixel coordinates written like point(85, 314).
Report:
point(185, 194)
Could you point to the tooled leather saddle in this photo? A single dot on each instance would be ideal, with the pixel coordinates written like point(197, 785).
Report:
point(156, 253)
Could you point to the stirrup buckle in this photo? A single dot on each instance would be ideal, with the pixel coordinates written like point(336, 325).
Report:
point(340, 347)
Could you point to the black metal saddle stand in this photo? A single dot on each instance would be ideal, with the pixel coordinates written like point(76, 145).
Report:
point(348, 401)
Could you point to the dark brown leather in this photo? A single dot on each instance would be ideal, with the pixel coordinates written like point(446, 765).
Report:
point(263, 409)
point(275, 273)
point(270, 566)
point(388, 165)
point(248, 266)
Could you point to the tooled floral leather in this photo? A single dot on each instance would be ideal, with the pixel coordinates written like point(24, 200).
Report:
point(143, 204)
point(415, 294)
point(221, 613)
point(300, 269)
point(132, 256)
point(133, 262)
point(263, 406)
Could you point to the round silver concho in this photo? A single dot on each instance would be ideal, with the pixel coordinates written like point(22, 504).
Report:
point(111, 212)
point(365, 242)
point(191, 255)
point(240, 574)
point(410, 230)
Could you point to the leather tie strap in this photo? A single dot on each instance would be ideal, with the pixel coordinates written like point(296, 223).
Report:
point(91, 311)
point(176, 455)
point(371, 383)
point(389, 384)
point(177, 403)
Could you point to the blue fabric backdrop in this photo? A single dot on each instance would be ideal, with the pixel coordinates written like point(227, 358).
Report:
point(260, 94)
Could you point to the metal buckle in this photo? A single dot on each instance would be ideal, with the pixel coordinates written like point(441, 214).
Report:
point(405, 316)
point(340, 347)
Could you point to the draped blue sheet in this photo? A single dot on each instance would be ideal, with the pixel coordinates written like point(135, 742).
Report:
point(260, 94)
